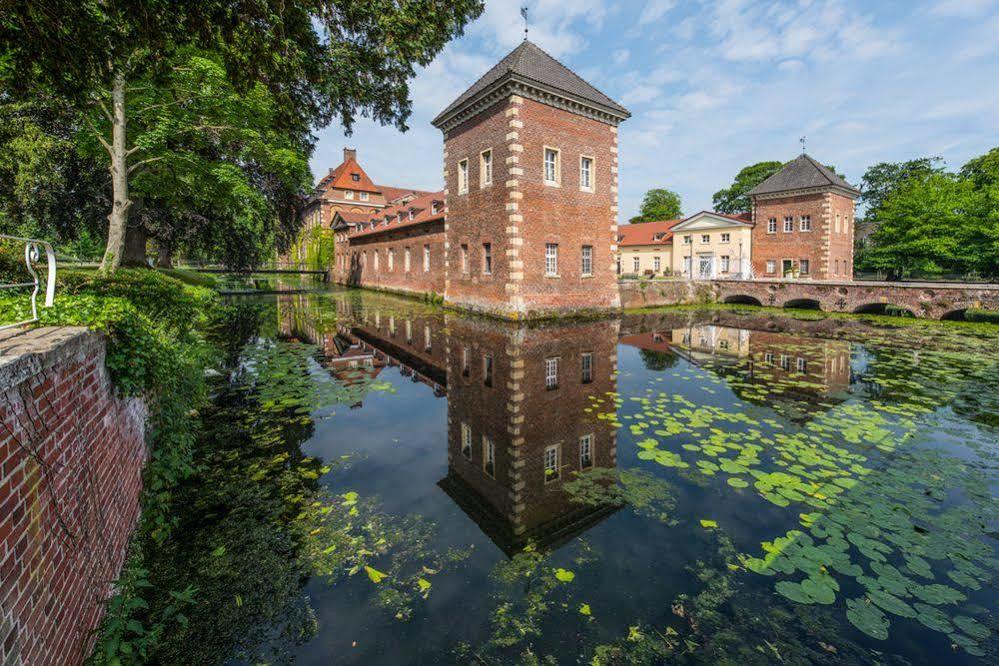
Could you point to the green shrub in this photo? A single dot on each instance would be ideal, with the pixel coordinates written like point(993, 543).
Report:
point(979, 315)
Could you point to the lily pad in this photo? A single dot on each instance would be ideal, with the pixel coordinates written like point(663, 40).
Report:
point(868, 618)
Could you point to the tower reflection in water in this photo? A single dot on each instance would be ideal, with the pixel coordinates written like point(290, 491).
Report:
point(517, 427)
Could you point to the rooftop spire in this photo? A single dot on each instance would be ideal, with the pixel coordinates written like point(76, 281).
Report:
point(802, 142)
point(523, 12)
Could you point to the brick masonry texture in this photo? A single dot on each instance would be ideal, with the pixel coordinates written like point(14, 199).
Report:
point(931, 300)
point(367, 271)
point(71, 459)
point(823, 246)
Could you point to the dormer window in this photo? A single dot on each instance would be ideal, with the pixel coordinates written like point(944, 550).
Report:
point(659, 236)
point(398, 216)
point(356, 177)
point(410, 213)
point(434, 208)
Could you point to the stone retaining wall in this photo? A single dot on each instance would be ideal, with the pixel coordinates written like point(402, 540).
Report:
point(71, 459)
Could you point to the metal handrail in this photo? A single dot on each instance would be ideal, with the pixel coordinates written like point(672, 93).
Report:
point(31, 255)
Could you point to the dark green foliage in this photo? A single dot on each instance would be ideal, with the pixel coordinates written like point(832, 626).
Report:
point(986, 316)
point(659, 205)
point(882, 179)
point(733, 199)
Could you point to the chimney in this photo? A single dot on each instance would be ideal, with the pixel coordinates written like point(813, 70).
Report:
point(349, 154)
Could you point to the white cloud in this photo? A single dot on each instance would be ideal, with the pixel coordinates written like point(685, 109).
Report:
point(655, 10)
point(640, 94)
point(963, 8)
point(620, 56)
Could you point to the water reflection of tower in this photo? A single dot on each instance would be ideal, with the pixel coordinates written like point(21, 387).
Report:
point(518, 429)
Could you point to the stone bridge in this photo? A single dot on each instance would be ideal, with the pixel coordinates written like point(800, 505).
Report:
point(931, 300)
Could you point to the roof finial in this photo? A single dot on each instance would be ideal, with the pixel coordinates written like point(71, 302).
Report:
point(523, 12)
point(802, 142)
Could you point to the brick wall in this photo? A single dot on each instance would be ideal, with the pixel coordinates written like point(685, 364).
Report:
point(518, 214)
point(71, 458)
point(823, 246)
point(365, 271)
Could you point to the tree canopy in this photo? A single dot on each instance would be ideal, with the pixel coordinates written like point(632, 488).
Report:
point(934, 222)
point(659, 204)
point(124, 66)
point(883, 178)
point(733, 199)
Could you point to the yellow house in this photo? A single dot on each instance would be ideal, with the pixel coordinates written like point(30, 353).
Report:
point(712, 245)
point(645, 248)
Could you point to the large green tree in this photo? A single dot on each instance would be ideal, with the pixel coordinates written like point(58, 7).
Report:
point(318, 59)
point(733, 199)
point(659, 204)
point(883, 178)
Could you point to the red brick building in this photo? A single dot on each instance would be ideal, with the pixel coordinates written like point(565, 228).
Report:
point(530, 167)
point(804, 223)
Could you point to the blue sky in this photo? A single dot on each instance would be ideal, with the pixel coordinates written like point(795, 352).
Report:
point(714, 85)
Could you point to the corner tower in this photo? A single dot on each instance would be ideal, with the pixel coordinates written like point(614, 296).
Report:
point(530, 170)
point(803, 219)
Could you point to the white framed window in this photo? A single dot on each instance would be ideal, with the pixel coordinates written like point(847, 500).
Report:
point(803, 266)
point(434, 207)
point(552, 457)
point(464, 258)
point(586, 173)
point(348, 194)
point(488, 457)
point(772, 225)
point(688, 240)
point(800, 364)
point(427, 342)
point(364, 196)
point(785, 362)
point(551, 259)
point(805, 223)
point(837, 223)
point(377, 254)
point(788, 224)
point(586, 451)
point(705, 238)
point(724, 263)
point(656, 263)
point(726, 237)
point(587, 260)
point(426, 258)
point(463, 177)
point(771, 266)
point(412, 213)
point(485, 168)
point(398, 217)
point(586, 367)
point(408, 327)
point(553, 167)
point(466, 361)
point(487, 369)
point(551, 373)
point(768, 358)
point(466, 441)
point(487, 258)
point(391, 260)
point(636, 263)
point(406, 260)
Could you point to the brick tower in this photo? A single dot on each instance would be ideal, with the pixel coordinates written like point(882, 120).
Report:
point(530, 170)
point(803, 219)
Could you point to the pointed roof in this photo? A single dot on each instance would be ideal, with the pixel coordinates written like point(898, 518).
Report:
point(802, 173)
point(530, 65)
point(343, 177)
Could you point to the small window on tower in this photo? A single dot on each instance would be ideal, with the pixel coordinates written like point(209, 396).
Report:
point(552, 167)
point(463, 177)
point(485, 168)
point(772, 225)
point(586, 174)
point(788, 224)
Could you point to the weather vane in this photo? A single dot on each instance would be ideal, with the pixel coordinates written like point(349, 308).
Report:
point(523, 12)
point(802, 142)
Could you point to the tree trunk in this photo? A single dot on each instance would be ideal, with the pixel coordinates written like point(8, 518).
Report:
point(164, 254)
point(118, 219)
point(135, 247)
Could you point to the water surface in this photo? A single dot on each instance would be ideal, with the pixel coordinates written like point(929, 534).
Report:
point(387, 483)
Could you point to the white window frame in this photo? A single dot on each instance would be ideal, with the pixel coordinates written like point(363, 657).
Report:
point(586, 367)
point(724, 266)
point(552, 460)
point(657, 263)
point(805, 223)
point(771, 266)
point(348, 195)
point(486, 167)
point(406, 261)
point(551, 373)
point(391, 259)
point(804, 266)
point(788, 224)
point(488, 457)
point(464, 258)
point(487, 258)
point(551, 259)
point(726, 237)
point(586, 448)
point(636, 263)
point(364, 196)
point(705, 239)
point(587, 173)
point(556, 166)
point(799, 364)
point(377, 261)
point(772, 225)
point(586, 261)
point(426, 258)
point(463, 176)
point(466, 441)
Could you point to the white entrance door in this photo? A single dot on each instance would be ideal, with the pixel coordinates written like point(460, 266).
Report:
point(706, 266)
point(686, 267)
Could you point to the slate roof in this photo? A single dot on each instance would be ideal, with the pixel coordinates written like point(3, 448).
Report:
point(529, 62)
point(801, 173)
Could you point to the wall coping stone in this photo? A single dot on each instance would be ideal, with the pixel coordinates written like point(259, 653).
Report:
point(25, 353)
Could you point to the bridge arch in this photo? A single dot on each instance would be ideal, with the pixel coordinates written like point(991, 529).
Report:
point(888, 309)
point(803, 304)
point(955, 315)
point(742, 299)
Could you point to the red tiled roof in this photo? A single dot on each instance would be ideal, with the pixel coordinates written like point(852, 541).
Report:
point(644, 233)
point(393, 193)
point(342, 178)
point(422, 205)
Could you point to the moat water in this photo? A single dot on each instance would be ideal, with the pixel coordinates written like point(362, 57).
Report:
point(382, 482)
